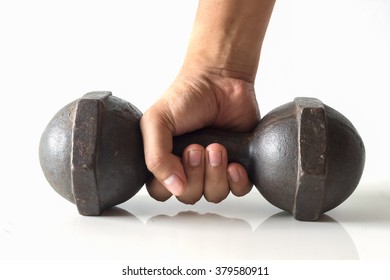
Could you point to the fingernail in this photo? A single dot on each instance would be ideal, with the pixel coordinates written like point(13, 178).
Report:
point(194, 158)
point(215, 158)
point(174, 184)
point(234, 175)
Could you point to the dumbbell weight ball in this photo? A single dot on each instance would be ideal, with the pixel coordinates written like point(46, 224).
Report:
point(304, 157)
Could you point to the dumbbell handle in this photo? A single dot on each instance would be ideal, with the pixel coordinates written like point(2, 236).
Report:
point(236, 144)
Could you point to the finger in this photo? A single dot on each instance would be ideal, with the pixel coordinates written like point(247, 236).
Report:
point(193, 162)
point(216, 186)
point(239, 182)
point(157, 190)
point(157, 139)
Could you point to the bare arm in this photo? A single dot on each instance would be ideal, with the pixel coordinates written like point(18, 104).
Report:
point(227, 36)
point(215, 87)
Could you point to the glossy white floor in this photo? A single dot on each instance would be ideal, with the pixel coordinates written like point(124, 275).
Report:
point(239, 228)
point(51, 54)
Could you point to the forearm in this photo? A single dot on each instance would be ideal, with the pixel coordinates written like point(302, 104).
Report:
point(227, 36)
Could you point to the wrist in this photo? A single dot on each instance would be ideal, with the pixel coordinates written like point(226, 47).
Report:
point(227, 37)
point(223, 60)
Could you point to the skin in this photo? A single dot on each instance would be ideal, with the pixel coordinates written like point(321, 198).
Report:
point(214, 88)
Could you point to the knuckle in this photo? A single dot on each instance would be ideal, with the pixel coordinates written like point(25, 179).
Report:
point(189, 200)
point(160, 198)
point(242, 190)
point(157, 191)
point(154, 162)
point(216, 198)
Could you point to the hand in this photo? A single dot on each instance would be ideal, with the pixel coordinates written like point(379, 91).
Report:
point(198, 98)
point(215, 88)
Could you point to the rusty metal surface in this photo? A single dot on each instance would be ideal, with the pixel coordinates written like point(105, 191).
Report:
point(91, 152)
point(304, 157)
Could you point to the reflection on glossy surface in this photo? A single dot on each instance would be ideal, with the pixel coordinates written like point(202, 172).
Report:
point(278, 237)
point(238, 228)
point(281, 237)
point(192, 235)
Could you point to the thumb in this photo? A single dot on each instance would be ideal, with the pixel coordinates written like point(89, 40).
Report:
point(157, 139)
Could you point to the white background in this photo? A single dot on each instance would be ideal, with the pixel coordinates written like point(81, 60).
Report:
point(52, 52)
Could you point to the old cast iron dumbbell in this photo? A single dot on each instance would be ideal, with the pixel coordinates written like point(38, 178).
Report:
point(304, 157)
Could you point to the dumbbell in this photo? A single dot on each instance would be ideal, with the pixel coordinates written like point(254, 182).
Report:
point(304, 157)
